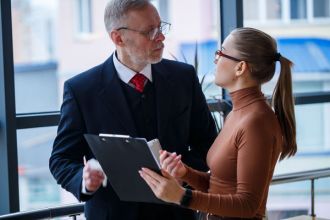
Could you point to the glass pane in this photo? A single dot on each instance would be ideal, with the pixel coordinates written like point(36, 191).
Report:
point(34, 55)
point(294, 199)
point(84, 17)
point(250, 11)
point(288, 200)
point(298, 9)
point(55, 40)
point(321, 8)
point(37, 187)
point(311, 73)
point(274, 9)
point(194, 37)
point(310, 55)
point(48, 50)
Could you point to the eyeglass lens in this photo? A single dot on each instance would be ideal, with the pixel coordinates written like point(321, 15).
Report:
point(164, 29)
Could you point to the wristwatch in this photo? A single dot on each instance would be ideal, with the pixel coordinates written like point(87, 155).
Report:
point(186, 198)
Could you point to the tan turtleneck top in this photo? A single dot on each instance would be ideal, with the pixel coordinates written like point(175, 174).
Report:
point(241, 160)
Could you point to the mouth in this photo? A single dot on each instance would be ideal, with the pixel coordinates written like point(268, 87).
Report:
point(160, 47)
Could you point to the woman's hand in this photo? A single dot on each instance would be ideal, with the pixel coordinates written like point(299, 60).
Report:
point(164, 187)
point(171, 162)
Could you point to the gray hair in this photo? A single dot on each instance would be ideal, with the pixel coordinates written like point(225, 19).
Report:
point(116, 10)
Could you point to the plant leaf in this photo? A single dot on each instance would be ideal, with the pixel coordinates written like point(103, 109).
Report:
point(174, 57)
point(196, 57)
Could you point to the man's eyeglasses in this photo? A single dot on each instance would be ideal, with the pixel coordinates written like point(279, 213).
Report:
point(163, 28)
point(219, 54)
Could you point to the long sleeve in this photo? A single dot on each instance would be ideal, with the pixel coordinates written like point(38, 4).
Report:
point(256, 157)
point(66, 161)
point(198, 180)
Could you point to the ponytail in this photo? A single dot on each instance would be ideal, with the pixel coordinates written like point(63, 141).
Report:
point(283, 104)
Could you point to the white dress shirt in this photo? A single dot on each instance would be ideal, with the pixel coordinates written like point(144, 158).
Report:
point(126, 74)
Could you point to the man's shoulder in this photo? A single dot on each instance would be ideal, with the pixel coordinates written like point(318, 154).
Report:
point(175, 64)
point(176, 69)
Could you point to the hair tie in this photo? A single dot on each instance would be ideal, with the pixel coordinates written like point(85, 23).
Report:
point(277, 56)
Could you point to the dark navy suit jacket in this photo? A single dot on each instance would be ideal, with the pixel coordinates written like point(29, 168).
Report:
point(94, 102)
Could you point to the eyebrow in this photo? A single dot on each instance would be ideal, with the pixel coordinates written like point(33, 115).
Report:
point(152, 26)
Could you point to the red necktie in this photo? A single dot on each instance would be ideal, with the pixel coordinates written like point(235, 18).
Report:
point(139, 81)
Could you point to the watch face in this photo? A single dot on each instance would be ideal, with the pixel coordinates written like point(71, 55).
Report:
point(186, 198)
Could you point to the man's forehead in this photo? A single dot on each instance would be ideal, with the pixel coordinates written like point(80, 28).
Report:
point(145, 17)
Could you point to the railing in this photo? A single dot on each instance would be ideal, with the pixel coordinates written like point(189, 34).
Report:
point(301, 176)
point(77, 209)
point(53, 212)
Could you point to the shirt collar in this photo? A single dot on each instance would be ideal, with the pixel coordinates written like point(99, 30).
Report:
point(126, 74)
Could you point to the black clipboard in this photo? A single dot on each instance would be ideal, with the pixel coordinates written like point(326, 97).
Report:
point(121, 157)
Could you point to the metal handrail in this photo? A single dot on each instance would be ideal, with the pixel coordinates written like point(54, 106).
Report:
point(311, 175)
point(53, 212)
point(301, 176)
point(77, 209)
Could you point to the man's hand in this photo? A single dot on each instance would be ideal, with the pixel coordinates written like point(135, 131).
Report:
point(93, 175)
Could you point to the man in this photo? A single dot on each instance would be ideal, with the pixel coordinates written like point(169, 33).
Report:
point(134, 93)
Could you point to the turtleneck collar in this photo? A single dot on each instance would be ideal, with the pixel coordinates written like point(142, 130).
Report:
point(245, 97)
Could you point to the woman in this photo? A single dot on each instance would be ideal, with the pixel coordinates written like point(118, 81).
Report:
point(255, 135)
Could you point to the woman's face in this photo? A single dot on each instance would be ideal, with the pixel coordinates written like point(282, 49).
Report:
point(225, 74)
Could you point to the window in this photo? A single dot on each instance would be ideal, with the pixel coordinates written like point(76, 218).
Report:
point(84, 16)
point(298, 9)
point(195, 34)
point(274, 9)
point(311, 73)
point(37, 187)
point(286, 11)
point(39, 81)
point(250, 10)
point(321, 8)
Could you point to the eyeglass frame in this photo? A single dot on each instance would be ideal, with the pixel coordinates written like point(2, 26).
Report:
point(219, 53)
point(153, 33)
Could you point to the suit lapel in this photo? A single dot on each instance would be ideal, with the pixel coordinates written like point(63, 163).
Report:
point(164, 90)
point(113, 96)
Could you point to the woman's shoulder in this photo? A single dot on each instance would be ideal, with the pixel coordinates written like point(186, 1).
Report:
point(261, 116)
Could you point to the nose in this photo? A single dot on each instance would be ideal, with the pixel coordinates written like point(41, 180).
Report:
point(160, 36)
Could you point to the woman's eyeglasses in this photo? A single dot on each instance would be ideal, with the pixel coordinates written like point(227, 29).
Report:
point(219, 54)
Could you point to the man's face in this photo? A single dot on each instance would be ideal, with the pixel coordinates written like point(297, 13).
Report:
point(138, 49)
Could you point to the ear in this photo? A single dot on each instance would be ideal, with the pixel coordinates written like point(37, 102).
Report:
point(116, 37)
point(241, 68)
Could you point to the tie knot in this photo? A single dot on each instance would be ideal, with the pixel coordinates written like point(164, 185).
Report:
point(139, 81)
